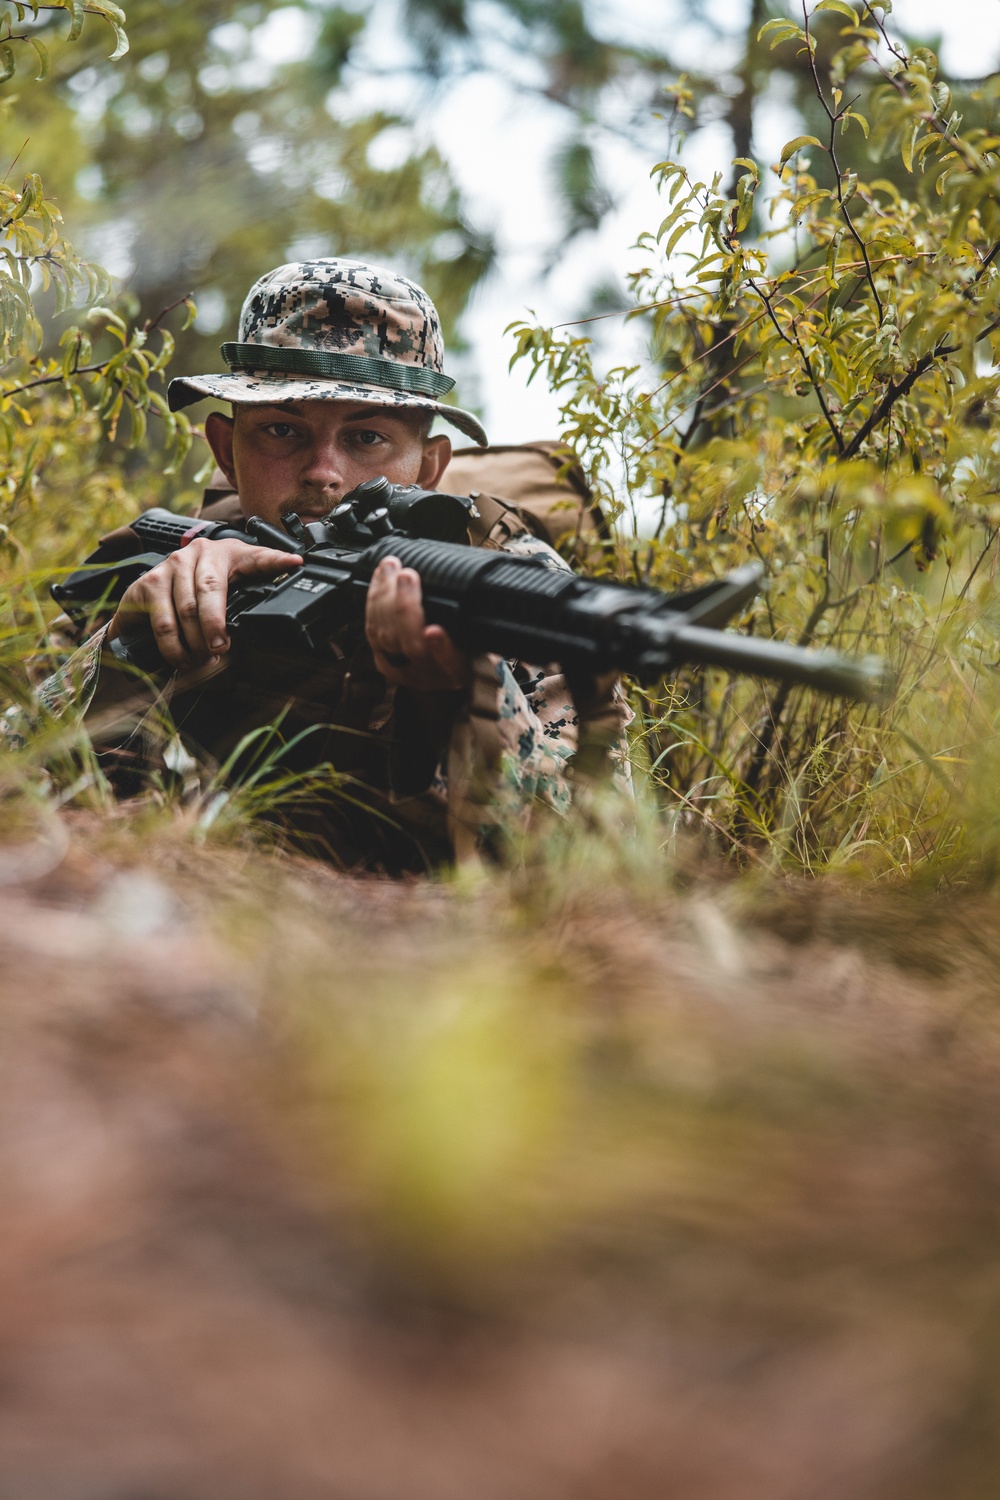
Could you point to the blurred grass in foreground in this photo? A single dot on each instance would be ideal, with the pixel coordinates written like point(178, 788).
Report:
point(542, 1183)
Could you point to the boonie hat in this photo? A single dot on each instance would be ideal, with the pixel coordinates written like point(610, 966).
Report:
point(334, 330)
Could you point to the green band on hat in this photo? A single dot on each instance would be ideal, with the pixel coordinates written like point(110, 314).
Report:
point(356, 369)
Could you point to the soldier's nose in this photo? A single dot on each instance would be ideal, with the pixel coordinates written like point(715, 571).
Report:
point(322, 476)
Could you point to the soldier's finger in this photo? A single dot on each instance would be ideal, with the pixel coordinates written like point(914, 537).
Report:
point(384, 572)
point(248, 560)
point(450, 660)
point(408, 614)
point(186, 609)
point(382, 586)
point(380, 607)
point(163, 621)
point(208, 594)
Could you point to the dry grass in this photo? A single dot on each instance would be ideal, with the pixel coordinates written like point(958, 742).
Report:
point(547, 1186)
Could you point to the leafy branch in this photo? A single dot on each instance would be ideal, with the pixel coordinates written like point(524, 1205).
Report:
point(835, 117)
point(77, 10)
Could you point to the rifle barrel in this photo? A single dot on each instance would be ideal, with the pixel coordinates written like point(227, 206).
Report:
point(864, 677)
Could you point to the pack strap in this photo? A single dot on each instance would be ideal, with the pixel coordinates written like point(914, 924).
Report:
point(498, 521)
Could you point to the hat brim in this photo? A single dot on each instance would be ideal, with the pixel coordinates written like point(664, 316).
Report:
point(260, 389)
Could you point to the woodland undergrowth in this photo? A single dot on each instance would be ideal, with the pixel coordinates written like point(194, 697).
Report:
point(820, 395)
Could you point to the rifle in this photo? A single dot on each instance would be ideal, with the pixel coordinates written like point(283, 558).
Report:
point(486, 601)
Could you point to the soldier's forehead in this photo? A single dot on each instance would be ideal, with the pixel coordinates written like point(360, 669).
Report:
point(348, 411)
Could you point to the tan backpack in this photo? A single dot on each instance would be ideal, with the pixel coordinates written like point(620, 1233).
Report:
point(528, 479)
point(518, 489)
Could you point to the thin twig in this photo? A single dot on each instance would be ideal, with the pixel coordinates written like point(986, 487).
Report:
point(17, 158)
point(795, 342)
point(874, 577)
point(895, 392)
point(625, 312)
point(152, 323)
point(31, 385)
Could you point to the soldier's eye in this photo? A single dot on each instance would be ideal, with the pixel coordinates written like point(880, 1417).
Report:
point(368, 437)
point(281, 429)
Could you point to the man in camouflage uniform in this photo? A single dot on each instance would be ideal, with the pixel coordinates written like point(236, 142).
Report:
point(410, 751)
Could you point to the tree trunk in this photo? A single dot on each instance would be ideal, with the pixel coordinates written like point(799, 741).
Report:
point(740, 113)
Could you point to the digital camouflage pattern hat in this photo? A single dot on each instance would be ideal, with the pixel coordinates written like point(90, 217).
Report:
point(334, 330)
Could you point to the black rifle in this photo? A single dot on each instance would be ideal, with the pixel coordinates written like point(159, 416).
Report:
point(486, 600)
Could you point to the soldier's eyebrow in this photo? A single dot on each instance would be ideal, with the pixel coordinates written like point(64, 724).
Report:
point(375, 414)
point(294, 409)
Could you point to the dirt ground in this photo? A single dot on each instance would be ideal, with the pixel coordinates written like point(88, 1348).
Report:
point(773, 1274)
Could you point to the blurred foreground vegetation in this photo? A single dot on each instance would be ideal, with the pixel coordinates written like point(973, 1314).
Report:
point(598, 1176)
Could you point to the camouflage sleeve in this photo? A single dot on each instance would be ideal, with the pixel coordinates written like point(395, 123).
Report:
point(512, 747)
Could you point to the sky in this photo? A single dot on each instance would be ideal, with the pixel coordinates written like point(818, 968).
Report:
point(498, 140)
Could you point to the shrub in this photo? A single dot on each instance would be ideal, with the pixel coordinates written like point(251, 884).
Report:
point(821, 396)
point(66, 392)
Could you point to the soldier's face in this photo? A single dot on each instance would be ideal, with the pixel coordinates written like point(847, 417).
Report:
point(305, 456)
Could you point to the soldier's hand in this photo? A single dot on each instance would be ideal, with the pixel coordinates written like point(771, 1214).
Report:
point(184, 597)
point(407, 650)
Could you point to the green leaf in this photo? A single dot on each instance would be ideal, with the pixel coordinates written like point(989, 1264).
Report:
point(25, 201)
point(772, 25)
point(7, 62)
point(784, 32)
point(790, 148)
point(681, 229)
point(780, 30)
point(670, 220)
point(892, 242)
point(137, 416)
point(928, 142)
point(841, 7)
point(831, 257)
point(122, 42)
point(43, 58)
point(807, 200)
point(75, 8)
point(883, 185)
